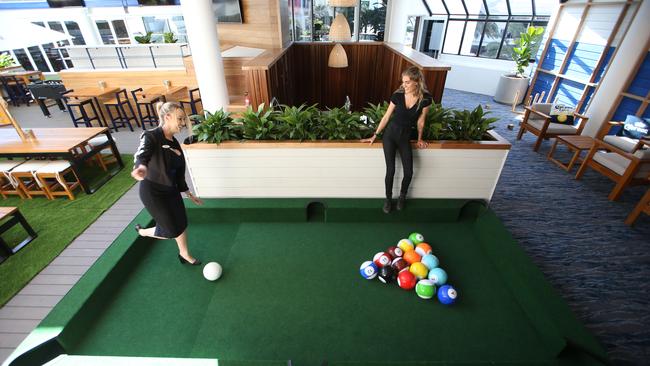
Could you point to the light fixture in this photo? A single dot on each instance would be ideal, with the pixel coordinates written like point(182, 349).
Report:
point(338, 57)
point(343, 3)
point(340, 29)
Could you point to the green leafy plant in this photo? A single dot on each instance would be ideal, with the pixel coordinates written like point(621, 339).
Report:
point(260, 124)
point(216, 127)
point(374, 114)
point(168, 37)
point(298, 123)
point(146, 39)
point(521, 54)
point(6, 60)
point(468, 125)
point(436, 122)
point(339, 124)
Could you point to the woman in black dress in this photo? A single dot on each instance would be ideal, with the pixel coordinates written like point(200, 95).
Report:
point(410, 104)
point(160, 168)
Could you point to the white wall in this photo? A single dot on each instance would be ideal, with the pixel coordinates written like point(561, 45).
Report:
point(397, 13)
point(631, 47)
point(475, 74)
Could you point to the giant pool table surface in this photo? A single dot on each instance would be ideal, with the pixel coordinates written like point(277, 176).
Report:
point(291, 293)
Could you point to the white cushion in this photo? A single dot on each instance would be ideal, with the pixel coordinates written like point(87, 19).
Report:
point(619, 163)
point(30, 166)
point(541, 107)
point(7, 165)
point(643, 154)
point(98, 140)
point(624, 143)
point(555, 128)
point(54, 167)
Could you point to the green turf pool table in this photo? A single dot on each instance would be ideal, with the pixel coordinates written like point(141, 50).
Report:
point(291, 293)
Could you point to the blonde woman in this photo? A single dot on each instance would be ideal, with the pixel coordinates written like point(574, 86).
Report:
point(408, 108)
point(160, 168)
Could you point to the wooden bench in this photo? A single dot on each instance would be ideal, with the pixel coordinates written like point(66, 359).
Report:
point(15, 217)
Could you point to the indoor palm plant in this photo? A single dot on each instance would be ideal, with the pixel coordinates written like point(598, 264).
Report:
point(514, 85)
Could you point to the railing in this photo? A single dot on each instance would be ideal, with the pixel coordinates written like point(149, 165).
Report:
point(126, 56)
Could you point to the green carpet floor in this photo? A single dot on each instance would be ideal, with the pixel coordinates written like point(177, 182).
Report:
point(57, 223)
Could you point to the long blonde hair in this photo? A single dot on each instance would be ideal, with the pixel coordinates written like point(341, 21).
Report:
point(165, 108)
point(416, 75)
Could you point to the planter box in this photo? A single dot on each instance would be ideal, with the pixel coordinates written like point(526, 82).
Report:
point(446, 169)
point(508, 88)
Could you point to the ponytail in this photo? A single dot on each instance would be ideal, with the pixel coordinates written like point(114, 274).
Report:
point(165, 108)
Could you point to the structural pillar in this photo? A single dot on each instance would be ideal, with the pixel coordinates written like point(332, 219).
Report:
point(206, 53)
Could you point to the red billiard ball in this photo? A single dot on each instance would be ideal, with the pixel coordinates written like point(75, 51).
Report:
point(399, 264)
point(395, 252)
point(382, 259)
point(406, 280)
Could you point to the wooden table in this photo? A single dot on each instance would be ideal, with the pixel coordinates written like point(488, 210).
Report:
point(95, 93)
point(163, 91)
point(24, 75)
point(61, 143)
point(575, 143)
point(15, 218)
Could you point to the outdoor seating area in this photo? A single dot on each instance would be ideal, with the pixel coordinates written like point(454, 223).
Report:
point(481, 168)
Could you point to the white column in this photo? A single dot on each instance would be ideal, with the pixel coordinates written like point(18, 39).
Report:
point(89, 29)
point(357, 19)
point(206, 53)
point(621, 66)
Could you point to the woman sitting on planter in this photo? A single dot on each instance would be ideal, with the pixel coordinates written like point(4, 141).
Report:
point(410, 104)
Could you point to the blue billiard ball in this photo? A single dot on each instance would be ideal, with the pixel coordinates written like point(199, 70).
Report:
point(447, 295)
point(438, 276)
point(368, 270)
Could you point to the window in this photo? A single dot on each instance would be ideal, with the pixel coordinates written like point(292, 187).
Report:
point(372, 20)
point(157, 26)
point(75, 32)
point(105, 32)
point(23, 59)
point(39, 59)
point(121, 33)
point(302, 19)
point(178, 27)
point(489, 28)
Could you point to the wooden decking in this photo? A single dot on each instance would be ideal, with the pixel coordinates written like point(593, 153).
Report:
point(25, 310)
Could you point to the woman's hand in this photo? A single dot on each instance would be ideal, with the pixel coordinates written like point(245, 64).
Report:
point(139, 173)
point(370, 139)
point(193, 198)
point(422, 144)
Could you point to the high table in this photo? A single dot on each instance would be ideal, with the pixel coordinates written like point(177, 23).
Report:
point(163, 91)
point(61, 143)
point(23, 75)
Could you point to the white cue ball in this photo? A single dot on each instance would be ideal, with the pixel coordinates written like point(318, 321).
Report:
point(212, 271)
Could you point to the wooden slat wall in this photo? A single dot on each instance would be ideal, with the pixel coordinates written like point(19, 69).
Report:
point(301, 75)
point(261, 27)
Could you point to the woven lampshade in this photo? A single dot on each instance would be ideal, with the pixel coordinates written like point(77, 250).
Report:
point(338, 58)
point(340, 29)
point(343, 3)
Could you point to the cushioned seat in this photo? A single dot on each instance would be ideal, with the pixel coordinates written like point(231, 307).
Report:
point(619, 163)
point(554, 128)
point(8, 185)
point(25, 178)
point(622, 142)
point(537, 120)
point(52, 177)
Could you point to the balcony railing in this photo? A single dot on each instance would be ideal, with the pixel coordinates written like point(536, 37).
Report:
point(141, 56)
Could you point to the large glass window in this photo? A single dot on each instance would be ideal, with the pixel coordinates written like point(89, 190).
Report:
point(75, 32)
point(157, 26)
point(372, 20)
point(472, 38)
point(492, 37)
point(23, 59)
point(54, 57)
point(453, 36)
point(121, 32)
point(302, 19)
point(105, 32)
point(180, 32)
point(39, 59)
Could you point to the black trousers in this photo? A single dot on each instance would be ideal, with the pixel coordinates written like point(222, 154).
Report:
point(397, 138)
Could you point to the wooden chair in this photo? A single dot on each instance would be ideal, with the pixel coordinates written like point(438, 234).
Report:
point(24, 176)
point(193, 100)
point(537, 120)
point(53, 178)
point(8, 186)
point(623, 160)
point(642, 206)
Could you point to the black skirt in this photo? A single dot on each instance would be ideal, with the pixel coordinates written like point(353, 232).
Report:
point(166, 206)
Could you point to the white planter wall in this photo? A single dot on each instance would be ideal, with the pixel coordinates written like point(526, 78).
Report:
point(279, 172)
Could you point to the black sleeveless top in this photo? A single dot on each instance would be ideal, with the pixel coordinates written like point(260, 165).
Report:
point(408, 117)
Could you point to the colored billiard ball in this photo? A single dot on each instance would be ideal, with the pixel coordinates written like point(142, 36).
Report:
point(419, 270)
point(399, 264)
point(406, 245)
point(406, 280)
point(425, 289)
point(430, 260)
point(368, 270)
point(395, 252)
point(387, 274)
point(447, 295)
point(412, 257)
point(416, 238)
point(423, 249)
point(382, 259)
point(438, 276)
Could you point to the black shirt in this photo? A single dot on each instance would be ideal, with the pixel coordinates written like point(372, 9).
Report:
point(408, 117)
point(164, 166)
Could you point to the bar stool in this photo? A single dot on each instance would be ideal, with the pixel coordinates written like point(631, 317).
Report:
point(193, 100)
point(121, 118)
point(150, 114)
point(52, 177)
point(16, 90)
point(26, 179)
point(80, 105)
point(8, 186)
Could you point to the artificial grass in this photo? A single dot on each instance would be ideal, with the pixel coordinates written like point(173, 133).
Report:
point(57, 222)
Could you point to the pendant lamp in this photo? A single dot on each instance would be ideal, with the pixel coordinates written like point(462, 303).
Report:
point(338, 58)
point(340, 29)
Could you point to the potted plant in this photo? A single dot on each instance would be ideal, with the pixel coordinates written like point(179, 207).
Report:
point(168, 37)
point(146, 39)
point(6, 60)
point(515, 84)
